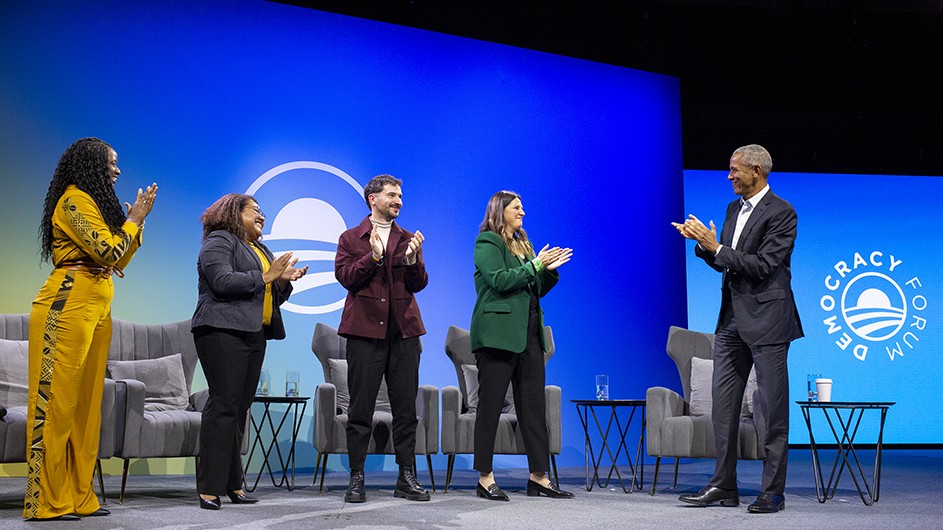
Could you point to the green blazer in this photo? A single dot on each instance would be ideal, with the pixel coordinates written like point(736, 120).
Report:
point(502, 282)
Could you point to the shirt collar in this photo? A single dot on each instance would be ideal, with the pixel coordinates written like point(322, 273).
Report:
point(754, 200)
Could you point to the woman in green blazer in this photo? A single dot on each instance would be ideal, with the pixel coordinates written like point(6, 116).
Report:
point(508, 340)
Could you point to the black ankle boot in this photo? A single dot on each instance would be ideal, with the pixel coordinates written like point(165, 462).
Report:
point(356, 491)
point(407, 487)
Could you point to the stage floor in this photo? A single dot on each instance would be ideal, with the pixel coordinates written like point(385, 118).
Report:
point(910, 498)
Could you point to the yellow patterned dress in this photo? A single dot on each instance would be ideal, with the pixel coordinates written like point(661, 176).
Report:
point(69, 336)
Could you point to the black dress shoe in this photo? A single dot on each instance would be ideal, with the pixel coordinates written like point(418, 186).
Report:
point(534, 489)
point(492, 492)
point(63, 517)
point(209, 504)
point(241, 498)
point(356, 491)
point(711, 495)
point(768, 503)
point(101, 512)
point(408, 487)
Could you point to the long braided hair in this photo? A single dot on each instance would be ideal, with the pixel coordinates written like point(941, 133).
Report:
point(85, 164)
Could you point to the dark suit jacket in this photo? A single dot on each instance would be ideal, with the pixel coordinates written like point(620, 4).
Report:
point(757, 276)
point(231, 290)
point(371, 288)
point(503, 285)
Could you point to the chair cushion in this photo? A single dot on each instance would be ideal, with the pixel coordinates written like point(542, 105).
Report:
point(470, 373)
point(13, 435)
point(338, 369)
point(14, 373)
point(165, 385)
point(702, 371)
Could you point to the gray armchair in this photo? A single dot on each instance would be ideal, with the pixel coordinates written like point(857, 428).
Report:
point(458, 423)
point(672, 430)
point(160, 419)
point(14, 363)
point(330, 405)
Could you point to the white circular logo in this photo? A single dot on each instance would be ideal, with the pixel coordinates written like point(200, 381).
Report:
point(314, 203)
point(869, 309)
point(880, 304)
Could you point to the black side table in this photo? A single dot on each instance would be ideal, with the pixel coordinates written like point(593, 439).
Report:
point(296, 408)
point(870, 493)
point(585, 407)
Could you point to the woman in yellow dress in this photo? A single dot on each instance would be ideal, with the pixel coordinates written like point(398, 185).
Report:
point(87, 236)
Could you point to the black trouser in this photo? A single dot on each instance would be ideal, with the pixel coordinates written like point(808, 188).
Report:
point(232, 362)
point(497, 368)
point(368, 361)
point(733, 359)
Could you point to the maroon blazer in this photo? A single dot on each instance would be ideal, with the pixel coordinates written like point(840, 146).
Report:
point(371, 287)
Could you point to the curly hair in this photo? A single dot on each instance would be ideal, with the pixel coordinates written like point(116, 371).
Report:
point(494, 222)
point(86, 165)
point(376, 184)
point(226, 214)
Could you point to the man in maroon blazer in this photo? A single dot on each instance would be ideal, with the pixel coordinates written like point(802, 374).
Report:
point(758, 319)
point(381, 266)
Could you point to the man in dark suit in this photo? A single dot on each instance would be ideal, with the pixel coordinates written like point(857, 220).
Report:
point(758, 319)
point(381, 266)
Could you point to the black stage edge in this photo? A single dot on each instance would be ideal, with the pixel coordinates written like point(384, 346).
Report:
point(828, 86)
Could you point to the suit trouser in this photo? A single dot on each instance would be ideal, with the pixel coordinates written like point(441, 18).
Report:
point(497, 368)
point(69, 337)
point(733, 359)
point(368, 361)
point(231, 361)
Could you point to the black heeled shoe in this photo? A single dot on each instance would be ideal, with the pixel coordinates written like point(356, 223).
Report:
point(492, 492)
point(241, 498)
point(210, 504)
point(534, 489)
point(101, 512)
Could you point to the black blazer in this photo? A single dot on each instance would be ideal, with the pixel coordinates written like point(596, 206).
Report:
point(231, 290)
point(757, 275)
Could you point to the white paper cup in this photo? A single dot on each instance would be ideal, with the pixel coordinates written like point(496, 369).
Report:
point(824, 387)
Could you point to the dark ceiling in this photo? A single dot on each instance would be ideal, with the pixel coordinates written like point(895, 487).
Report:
point(834, 86)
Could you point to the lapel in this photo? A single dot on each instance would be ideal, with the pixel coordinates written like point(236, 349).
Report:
point(268, 253)
point(758, 212)
point(730, 223)
point(396, 233)
point(253, 257)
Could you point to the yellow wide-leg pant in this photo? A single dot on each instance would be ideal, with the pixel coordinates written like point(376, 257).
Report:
point(69, 336)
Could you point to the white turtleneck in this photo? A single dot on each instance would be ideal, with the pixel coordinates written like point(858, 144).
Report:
point(383, 229)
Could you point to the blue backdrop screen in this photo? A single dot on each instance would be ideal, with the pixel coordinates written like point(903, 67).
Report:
point(866, 281)
point(301, 108)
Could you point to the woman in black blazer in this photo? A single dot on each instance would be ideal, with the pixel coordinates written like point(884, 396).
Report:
point(241, 286)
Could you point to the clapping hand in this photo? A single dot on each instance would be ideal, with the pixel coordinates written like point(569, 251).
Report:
point(143, 204)
point(693, 228)
point(412, 251)
point(283, 269)
point(554, 257)
point(376, 243)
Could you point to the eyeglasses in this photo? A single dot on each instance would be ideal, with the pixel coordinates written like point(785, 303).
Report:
point(257, 211)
